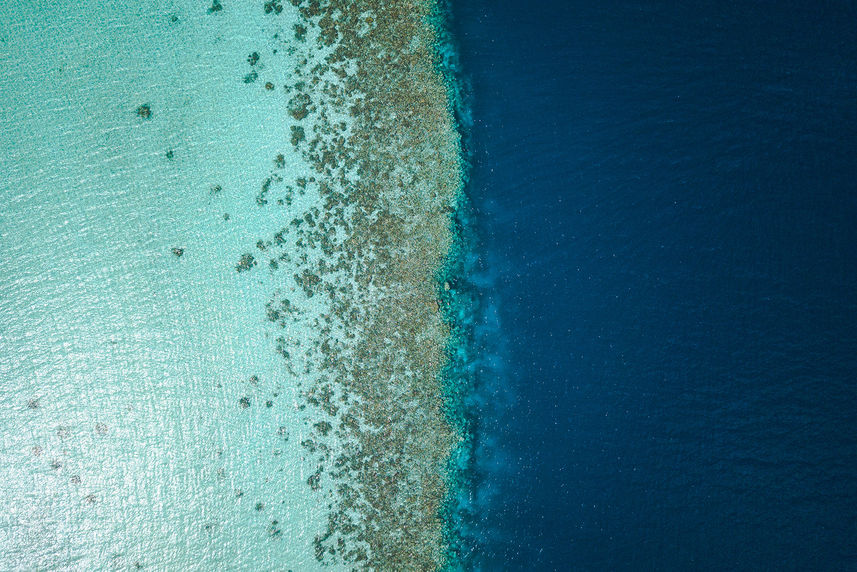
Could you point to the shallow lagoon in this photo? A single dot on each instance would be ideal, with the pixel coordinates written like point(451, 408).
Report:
point(166, 319)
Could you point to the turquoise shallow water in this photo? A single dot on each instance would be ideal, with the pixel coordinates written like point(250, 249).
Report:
point(123, 366)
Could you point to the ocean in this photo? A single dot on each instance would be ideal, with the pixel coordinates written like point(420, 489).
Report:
point(666, 200)
point(416, 285)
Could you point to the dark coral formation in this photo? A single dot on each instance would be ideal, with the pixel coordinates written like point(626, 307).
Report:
point(245, 263)
point(389, 177)
point(145, 111)
point(369, 111)
point(273, 7)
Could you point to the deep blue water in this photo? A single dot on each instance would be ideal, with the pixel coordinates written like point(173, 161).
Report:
point(667, 200)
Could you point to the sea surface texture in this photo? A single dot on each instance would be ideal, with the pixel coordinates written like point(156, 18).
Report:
point(223, 227)
point(667, 199)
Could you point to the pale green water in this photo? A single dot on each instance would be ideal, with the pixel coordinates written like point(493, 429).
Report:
point(122, 365)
